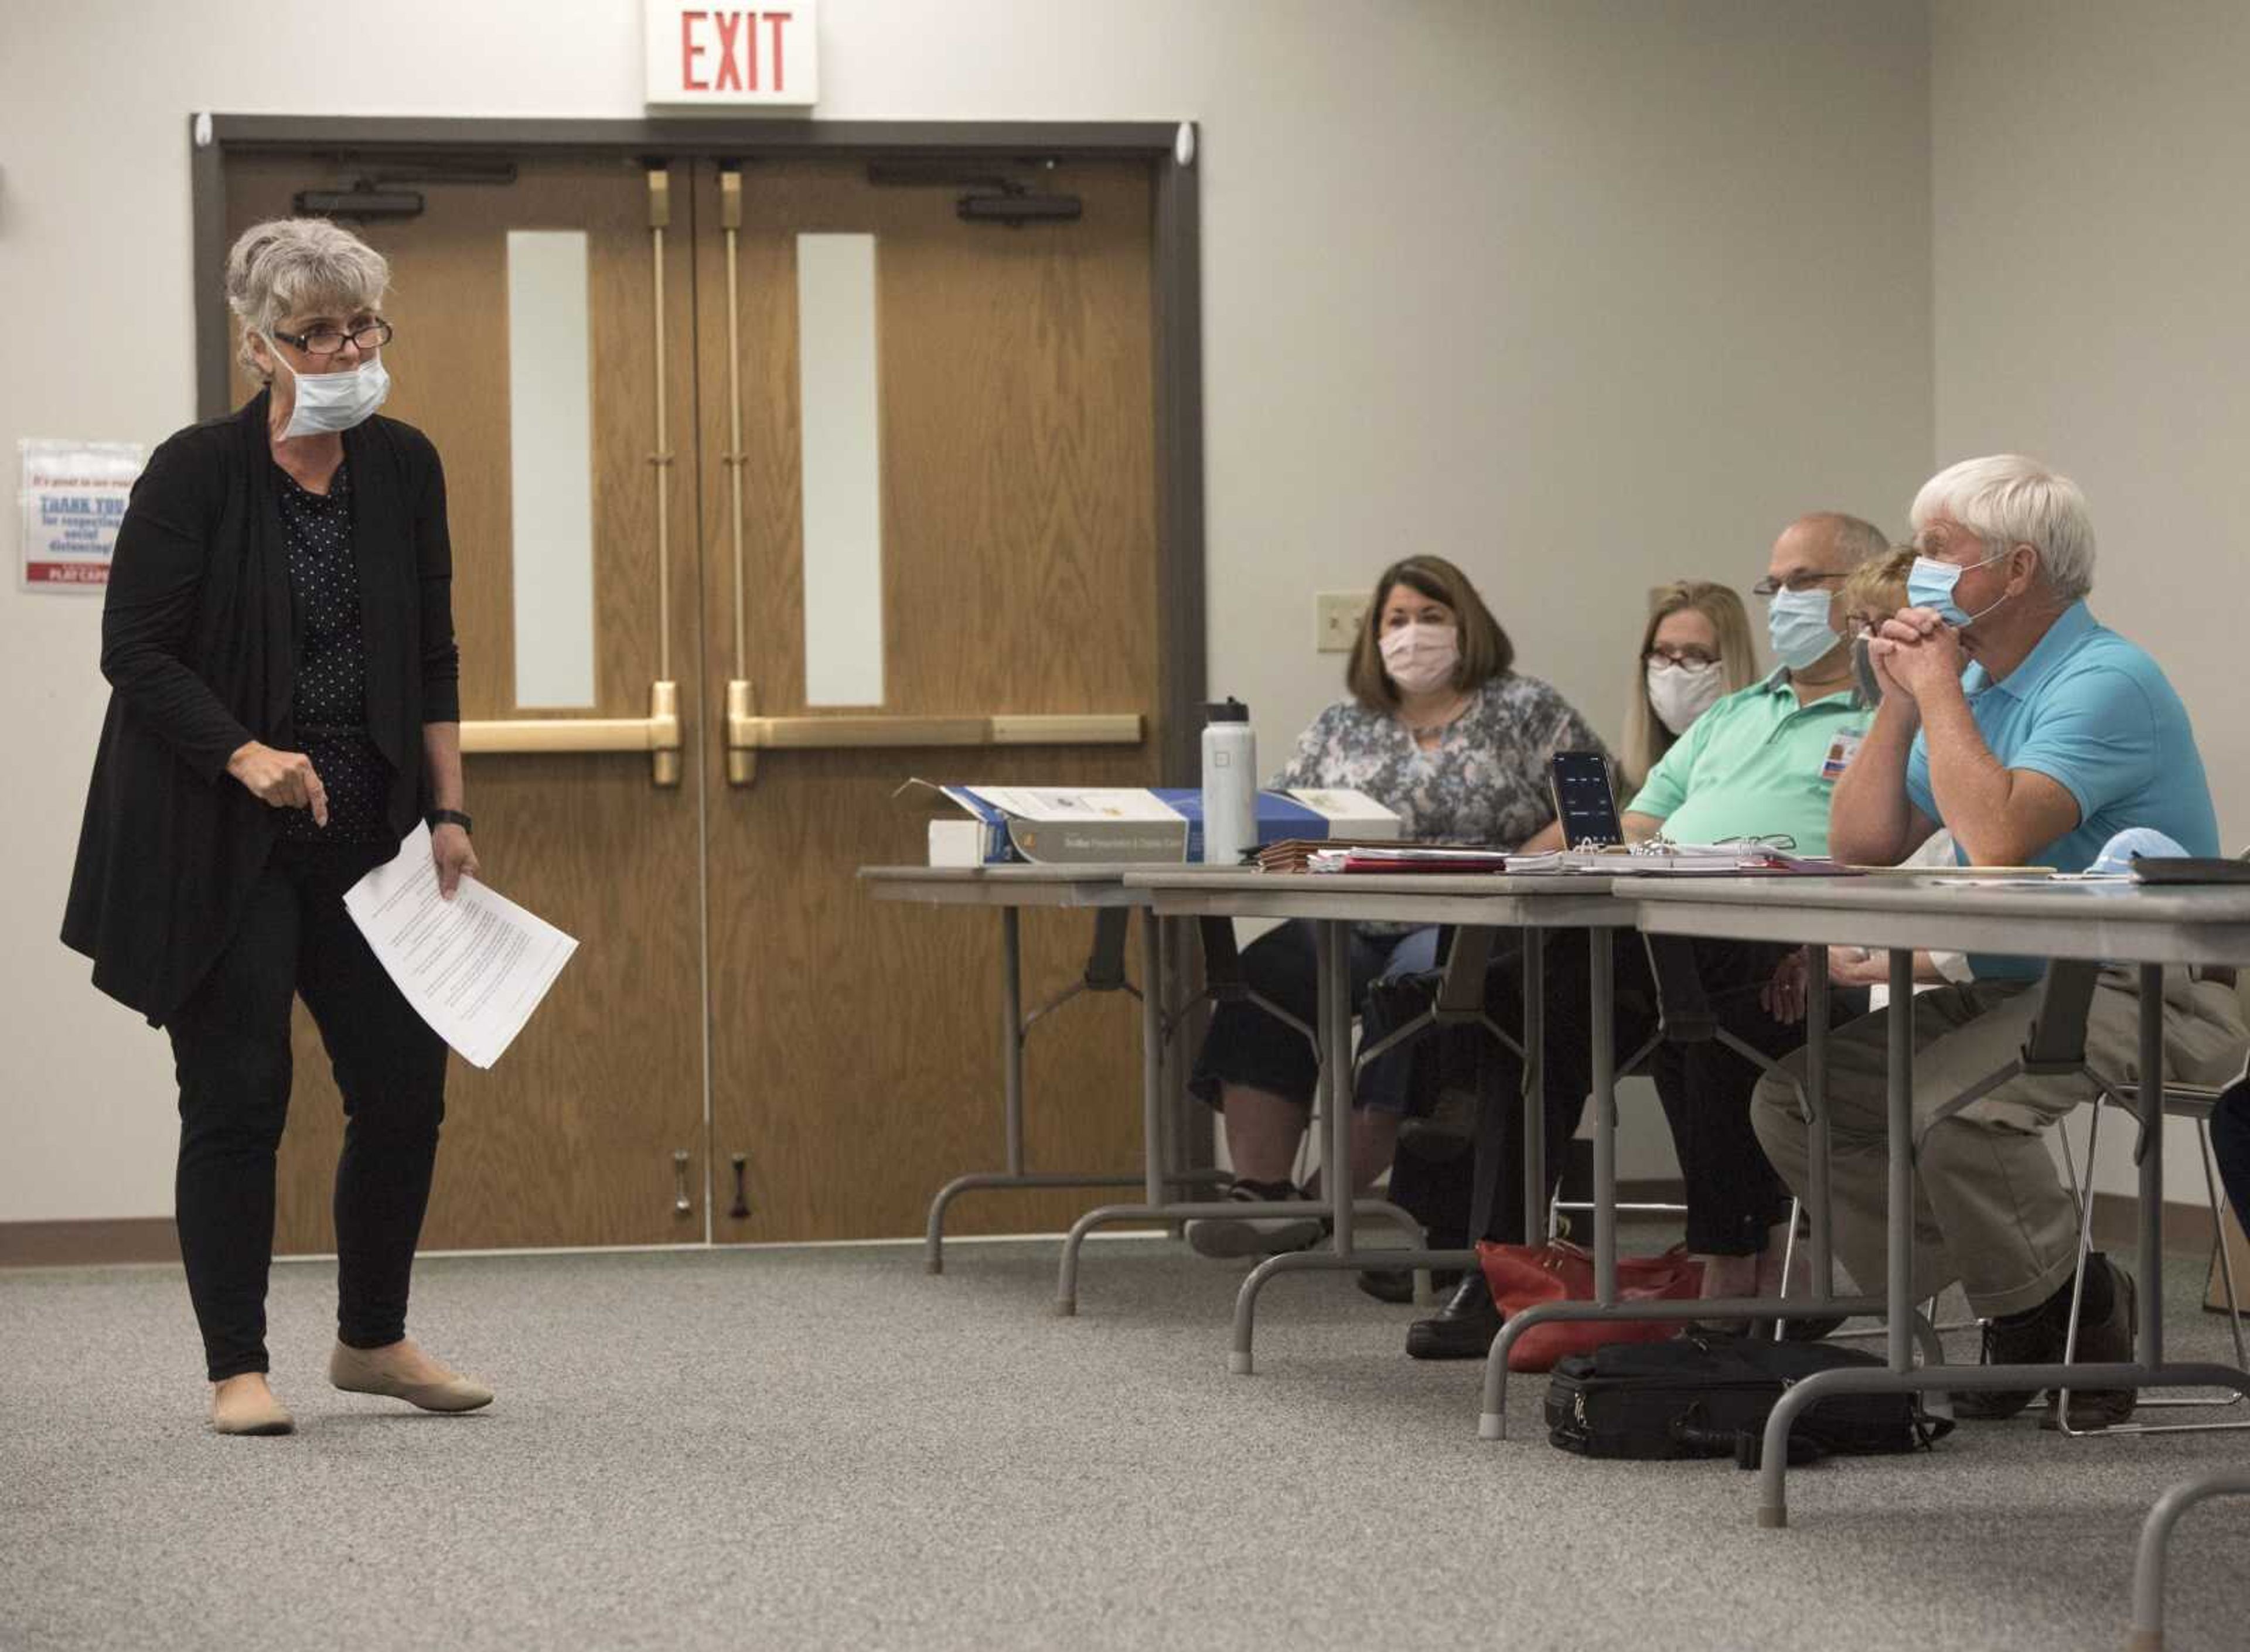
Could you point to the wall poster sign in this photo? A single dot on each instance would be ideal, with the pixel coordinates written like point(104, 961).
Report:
point(73, 496)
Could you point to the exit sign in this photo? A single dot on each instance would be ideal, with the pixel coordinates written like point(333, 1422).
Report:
point(733, 57)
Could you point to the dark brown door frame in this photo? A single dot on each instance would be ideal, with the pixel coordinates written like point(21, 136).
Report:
point(1176, 281)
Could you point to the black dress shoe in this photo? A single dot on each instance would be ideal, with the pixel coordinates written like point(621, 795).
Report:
point(2107, 1342)
point(1397, 1284)
point(1463, 1329)
point(2038, 1338)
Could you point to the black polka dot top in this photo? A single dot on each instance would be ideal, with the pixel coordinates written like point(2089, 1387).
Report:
point(329, 707)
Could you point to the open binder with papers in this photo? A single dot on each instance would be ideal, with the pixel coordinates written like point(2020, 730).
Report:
point(1733, 860)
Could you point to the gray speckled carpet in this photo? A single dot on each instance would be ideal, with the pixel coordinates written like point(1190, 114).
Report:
point(828, 1447)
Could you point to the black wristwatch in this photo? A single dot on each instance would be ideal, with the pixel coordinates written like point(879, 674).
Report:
point(449, 817)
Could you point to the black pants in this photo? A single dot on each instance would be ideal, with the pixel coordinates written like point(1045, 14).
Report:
point(1733, 1194)
point(1247, 1046)
point(230, 1048)
point(2230, 1145)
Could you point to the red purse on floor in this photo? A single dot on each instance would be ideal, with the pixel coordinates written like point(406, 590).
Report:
point(1525, 1276)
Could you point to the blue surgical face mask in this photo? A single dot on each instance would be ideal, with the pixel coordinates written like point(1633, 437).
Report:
point(1930, 585)
point(1796, 624)
point(2119, 853)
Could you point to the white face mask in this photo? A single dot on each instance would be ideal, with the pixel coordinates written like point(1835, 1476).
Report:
point(327, 402)
point(1420, 657)
point(1680, 694)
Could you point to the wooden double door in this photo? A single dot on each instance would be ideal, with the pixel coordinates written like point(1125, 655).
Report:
point(664, 471)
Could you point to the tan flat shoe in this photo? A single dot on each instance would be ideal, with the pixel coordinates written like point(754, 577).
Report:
point(249, 1408)
point(374, 1371)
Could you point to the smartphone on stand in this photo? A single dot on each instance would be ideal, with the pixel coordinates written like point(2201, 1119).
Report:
point(1584, 801)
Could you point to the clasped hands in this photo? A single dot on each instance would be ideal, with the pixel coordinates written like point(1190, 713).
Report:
point(288, 780)
point(1914, 650)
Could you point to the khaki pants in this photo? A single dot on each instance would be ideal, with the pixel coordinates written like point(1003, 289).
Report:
point(1990, 1207)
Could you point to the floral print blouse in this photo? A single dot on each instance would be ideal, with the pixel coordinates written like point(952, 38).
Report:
point(1485, 781)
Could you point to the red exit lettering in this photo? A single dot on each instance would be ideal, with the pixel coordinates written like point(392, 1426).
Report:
point(732, 38)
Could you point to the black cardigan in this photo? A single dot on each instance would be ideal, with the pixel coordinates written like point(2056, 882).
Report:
point(199, 642)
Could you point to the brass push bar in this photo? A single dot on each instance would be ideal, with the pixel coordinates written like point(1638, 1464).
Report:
point(657, 734)
point(822, 733)
point(730, 221)
point(748, 733)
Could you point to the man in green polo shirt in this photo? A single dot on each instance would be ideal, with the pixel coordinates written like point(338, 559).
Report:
point(1761, 763)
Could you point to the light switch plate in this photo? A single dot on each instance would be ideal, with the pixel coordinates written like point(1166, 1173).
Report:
point(1337, 617)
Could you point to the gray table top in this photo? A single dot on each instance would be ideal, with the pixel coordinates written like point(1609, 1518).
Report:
point(2124, 922)
point(1009, 885)
point(1484, 898)
point(1194, 891)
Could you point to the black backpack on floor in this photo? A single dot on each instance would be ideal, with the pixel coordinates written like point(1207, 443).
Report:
point(1704, 1397)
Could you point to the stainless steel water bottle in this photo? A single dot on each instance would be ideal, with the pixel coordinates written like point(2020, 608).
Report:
point(1230, 783)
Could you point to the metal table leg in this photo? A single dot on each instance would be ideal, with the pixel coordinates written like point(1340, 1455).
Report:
point(1154, 1206)
point(1492, 1421)
point(1011, 1083)
point(1898, 1081)
point(1333, 945)
point(1332, 952)
point(1104, 974)
point(1603, 954)
point(2150, 1262)
point(1819, 1211)
point(1011, 1031)
point(1153, 1066)
point(1536, 1191)
point(1898, 1087)
point(2156, 1534)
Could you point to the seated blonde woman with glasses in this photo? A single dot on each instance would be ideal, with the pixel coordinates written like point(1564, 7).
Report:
point(1695, 650)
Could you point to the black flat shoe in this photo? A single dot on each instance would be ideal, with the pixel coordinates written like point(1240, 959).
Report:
point(1397, 1284)
point(1463, 1329)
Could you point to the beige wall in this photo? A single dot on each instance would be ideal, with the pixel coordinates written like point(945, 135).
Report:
point(1585, 294)
point(2090, 238)
point(2090, 242)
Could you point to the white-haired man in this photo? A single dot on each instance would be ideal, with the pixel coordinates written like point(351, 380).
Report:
point(2034, 734)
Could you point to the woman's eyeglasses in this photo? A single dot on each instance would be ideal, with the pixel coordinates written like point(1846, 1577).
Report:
point(1691, 659)
point(329, 341)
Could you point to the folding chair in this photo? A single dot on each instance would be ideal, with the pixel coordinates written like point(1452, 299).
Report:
point(2193, 1101)
point(2056, 1047)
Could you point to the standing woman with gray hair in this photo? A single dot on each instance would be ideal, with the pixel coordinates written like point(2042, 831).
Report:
point(279, 640)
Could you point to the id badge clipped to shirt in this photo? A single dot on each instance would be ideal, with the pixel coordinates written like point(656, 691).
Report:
point(1841, 751)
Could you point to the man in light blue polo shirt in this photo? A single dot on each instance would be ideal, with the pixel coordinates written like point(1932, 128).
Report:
point(2033, 734)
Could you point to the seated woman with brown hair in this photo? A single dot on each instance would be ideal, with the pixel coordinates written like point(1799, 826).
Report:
point(1442, 729)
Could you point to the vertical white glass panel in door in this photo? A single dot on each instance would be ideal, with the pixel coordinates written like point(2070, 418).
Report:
point(551, 449)
point(839, 402)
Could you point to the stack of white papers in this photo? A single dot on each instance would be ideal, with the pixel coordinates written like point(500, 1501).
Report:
point(474, 966)
point(1706, 859)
